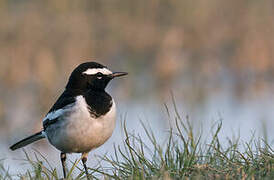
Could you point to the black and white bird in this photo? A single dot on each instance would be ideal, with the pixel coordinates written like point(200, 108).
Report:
point(83, 117)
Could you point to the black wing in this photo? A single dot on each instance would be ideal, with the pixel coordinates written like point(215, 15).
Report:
point(65, 99)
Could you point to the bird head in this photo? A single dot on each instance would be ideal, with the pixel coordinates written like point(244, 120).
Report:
point(91, 75)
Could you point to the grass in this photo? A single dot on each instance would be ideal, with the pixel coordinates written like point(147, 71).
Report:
point(183, 156)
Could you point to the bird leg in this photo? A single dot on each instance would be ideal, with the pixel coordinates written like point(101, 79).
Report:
point(84, 160)
point(63, 160)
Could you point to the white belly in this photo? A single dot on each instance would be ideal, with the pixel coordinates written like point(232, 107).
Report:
point(79, 132)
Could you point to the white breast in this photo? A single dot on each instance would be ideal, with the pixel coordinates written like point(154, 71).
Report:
point(78, 131)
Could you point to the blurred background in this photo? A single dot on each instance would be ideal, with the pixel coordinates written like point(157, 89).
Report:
point(216, 57)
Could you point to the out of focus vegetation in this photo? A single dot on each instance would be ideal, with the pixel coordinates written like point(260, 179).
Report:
point(196, 47)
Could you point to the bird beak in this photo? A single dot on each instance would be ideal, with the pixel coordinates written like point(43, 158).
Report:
point(118, 74)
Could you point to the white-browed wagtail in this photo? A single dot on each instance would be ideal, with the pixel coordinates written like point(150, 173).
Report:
point(83, 117)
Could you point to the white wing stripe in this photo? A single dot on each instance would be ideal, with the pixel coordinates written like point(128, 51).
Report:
point(54, 114)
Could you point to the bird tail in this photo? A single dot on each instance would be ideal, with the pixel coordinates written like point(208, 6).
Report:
point(28, 140)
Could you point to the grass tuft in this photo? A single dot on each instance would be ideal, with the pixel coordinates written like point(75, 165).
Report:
point(182, 156)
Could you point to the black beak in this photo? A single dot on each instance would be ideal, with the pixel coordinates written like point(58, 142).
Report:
point(118, 74)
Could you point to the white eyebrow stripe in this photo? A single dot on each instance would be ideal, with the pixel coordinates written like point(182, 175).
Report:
point(93, 71)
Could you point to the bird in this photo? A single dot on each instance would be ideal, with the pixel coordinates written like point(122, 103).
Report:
point(83, 117)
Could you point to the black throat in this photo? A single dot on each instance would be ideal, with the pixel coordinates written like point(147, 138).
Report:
point(99, 102)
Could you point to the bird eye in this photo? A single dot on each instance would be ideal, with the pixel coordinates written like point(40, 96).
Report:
point(99, 75)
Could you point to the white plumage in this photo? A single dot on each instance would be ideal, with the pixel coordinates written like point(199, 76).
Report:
point(77, 130)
